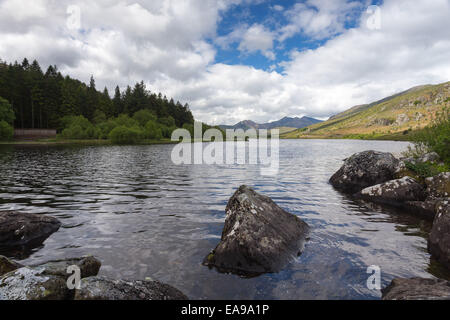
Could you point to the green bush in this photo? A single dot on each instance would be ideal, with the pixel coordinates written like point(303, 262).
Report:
point(125, 135)
point(144, 116)
point(436, 137)
point(153, 131)
point(6, 131)
point(422, 169)
point(6, 112)
point(126, 121)
point(105, 128)
point(78, 128)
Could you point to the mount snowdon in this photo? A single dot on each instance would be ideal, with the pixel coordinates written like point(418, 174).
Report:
point(286, 122)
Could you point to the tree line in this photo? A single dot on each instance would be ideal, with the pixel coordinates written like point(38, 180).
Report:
point(46, 100)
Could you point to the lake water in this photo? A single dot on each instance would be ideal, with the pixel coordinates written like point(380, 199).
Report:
point(143, 216)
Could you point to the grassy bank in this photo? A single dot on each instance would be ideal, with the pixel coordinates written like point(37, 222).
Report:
point(401, 136)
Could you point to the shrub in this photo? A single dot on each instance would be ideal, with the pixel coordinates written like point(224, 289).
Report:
point(436, 137)
point(125, 135)
point(153, 130)
point(422, 169)
point(6, 112)
point(6, 131)
point(144, 116)
point(105, 128)
point(126, 121)
point(78, 127)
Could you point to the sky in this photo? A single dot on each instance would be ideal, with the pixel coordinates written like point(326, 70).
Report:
point(234, 60)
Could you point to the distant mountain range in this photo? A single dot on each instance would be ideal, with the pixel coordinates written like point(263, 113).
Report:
point(286, 123)
point(394, 116)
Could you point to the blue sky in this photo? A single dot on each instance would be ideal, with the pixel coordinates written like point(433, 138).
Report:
point(272, 15)
point(234, 60)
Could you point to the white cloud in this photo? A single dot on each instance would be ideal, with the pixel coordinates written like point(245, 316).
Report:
point(319, 19)
point(167, 43)
point(258, 38)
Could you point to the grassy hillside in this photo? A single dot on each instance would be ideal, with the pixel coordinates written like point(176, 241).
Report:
point(394, 117)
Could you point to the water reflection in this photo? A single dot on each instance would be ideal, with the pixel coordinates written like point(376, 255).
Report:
point(145, 217)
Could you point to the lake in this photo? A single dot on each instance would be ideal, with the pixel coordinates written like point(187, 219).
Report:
point(143, 216)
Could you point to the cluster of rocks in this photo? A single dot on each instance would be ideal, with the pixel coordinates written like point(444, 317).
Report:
point(381, 178)
point(258, 236)
point(48, 281)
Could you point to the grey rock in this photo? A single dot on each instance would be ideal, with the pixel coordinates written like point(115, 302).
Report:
point(89, 266)
point(100, 288)
point(32, 284)
point(7, 265)
point(439, 186)
point(46, 281)
point(417, 289)
point(429, 157)
point(402, 119)
point(439, 239)
point(258, 236)
point(25, 229)
point(394, 192)
point(363, 170)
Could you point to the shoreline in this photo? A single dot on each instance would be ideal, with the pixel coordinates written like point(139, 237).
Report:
point(97, 142)
point(55, 142)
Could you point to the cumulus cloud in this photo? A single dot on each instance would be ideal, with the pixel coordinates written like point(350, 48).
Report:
point(258, 38)
point(172, 46)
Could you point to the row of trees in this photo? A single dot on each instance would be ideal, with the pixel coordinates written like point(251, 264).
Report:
point(42, 100)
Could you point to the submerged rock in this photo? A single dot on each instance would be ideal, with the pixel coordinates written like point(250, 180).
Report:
point(363, 170)
point(45, 281)
point(25, 229)
point(7, 265)
point(425, 209)
point(258, 236)
point(439, 240)
point(101, 288)
point(394, 192)
point(417, 289)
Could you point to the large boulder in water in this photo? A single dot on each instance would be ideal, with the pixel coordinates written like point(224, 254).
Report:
point(101, 288)
point(363, 170)
point(439, 240)
point(258, 237)
point(25, 229)
point(417, 289)
point(46, 281)
point(394, 192)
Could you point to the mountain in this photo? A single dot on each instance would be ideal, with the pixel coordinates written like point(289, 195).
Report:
point(287, 123)
point(398, 114)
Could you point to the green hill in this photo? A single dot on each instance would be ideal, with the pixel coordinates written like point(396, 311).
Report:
point(393, 116)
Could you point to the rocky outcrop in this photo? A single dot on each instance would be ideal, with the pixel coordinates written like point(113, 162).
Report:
point(25, 229)
point(363, 170)
point(402, 119)
point(394, 192)
point(100, 288)
point(439, 240)
point(47, 281)
point(258, 237)
point(417, 289)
